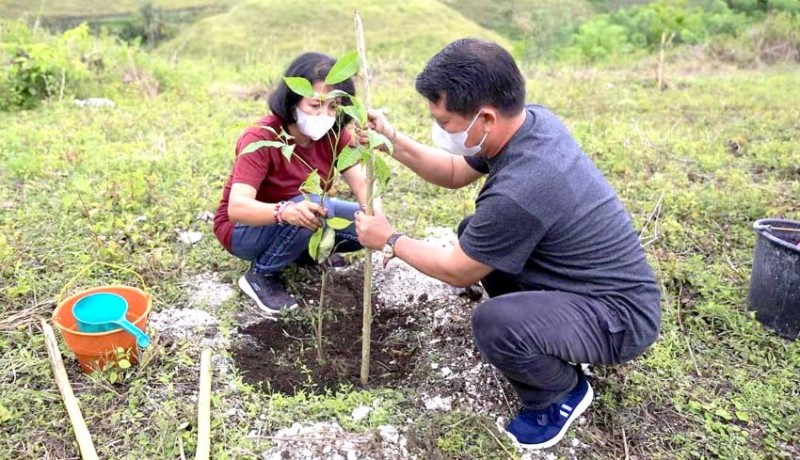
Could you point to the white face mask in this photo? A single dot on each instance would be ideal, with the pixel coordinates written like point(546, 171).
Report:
point(313, 126)
point(456, 143)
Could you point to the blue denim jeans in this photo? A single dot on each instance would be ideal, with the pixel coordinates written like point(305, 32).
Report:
point(272, 248)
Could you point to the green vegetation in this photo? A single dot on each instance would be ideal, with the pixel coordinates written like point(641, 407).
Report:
point(14, 9)
point(641, 29)
point(695, 165)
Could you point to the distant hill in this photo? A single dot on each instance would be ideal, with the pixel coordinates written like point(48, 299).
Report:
point(277, 30)
point(14, 9)
point(519, 18)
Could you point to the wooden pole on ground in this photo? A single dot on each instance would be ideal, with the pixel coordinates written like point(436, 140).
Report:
point(73, 408)
point(204, 408)
point(366, 324)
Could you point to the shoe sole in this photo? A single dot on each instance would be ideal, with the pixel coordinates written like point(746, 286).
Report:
point(580, 409)
point(247, 289)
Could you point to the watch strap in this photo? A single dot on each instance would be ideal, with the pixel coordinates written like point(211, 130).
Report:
point(393, 239)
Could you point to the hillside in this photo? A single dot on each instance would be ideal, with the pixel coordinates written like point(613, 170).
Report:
point(274, 30)
point(13, 9)
point(518, 18)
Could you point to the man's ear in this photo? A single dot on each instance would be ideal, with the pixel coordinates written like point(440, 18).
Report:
point(489, 118)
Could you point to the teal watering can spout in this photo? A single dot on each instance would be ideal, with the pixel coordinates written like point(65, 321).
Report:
point(103, 312)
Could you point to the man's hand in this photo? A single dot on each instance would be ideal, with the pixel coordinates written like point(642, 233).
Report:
point(304, 214)
point(379, 123)
point(373, 231)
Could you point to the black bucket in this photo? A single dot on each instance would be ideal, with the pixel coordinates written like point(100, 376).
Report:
point(775, 279)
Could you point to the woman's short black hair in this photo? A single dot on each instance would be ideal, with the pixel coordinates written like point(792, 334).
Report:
point(313, 67)
point(470, 73)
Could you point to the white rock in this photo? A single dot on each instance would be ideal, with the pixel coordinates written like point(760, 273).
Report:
point(389, 433)
point(438, 403)
point(188, 237)
point(446, 371)
point(360, 413)
point(205, 216)
point(94, 102)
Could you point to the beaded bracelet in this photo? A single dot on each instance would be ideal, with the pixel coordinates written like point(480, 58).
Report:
point(277, 211)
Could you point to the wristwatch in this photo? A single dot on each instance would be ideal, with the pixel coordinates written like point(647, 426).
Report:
point(388, 248)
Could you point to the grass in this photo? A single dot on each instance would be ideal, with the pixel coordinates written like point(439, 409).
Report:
point(13, 9)
point(716, 151)
point(271, 30)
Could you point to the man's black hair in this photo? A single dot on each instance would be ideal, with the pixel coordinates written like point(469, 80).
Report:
point(313, 67)
point(470, 73)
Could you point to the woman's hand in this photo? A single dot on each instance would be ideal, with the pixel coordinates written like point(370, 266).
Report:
point(304, 214)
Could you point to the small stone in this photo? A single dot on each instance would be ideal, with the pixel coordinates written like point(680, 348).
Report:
point(438, 403)
point(205, 216)
point(360, 413)
point(446, 371)
point(188, 238)
point(352, 455)
point(389, 434)
point(434, 365)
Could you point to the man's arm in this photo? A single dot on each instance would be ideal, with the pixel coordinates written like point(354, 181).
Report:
point(434, 165)
point(450, 265)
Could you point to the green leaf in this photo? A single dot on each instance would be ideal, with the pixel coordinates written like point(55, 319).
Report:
point(287, 151)
point(382, 171)
point(723, 414)
point(742, 416)
point(313, 243)
point(311, 184)
point(326, 244)
point(300, 86)
point(338, 223)
point(5, 414)
point(112, 377)
point(337, 93)
point(269, 128)
point(124, 364)
point(377, 139)
point(347, 158)
point(357, 111)
point(346, 66)
point(253, 146)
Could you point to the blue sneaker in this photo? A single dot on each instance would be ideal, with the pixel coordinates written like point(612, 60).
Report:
point(543, 428)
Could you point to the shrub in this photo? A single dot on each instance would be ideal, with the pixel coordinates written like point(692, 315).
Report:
point(641, 28)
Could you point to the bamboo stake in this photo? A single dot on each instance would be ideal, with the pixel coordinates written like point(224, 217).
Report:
point(366, 324)
point(661, 52)
point(204, 408)
point(73, 408)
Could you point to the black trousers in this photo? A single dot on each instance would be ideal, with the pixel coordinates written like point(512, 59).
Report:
point(532, 336)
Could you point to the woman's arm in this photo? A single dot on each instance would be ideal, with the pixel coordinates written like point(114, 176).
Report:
point(355, 179)
point(243, 208)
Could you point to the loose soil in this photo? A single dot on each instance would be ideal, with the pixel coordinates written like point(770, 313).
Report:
point(283, 353)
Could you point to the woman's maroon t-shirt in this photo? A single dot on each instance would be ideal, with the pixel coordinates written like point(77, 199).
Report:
point(273, 176)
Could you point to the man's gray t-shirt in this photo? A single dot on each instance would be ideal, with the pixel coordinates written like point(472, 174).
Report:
point(547, 217)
